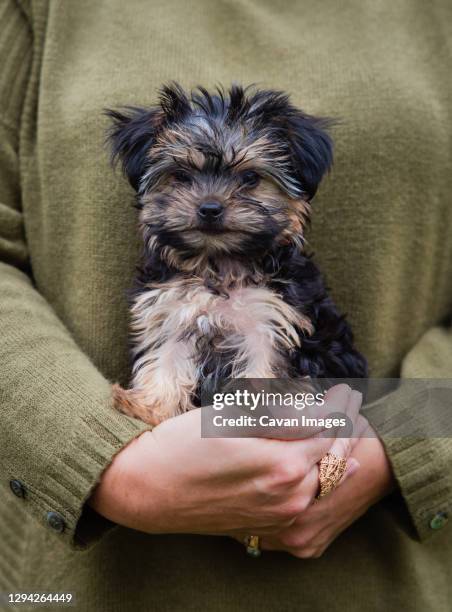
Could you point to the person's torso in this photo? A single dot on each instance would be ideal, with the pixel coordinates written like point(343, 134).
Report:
point(381, 233)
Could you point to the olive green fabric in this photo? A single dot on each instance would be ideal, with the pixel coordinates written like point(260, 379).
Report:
point(381, 231)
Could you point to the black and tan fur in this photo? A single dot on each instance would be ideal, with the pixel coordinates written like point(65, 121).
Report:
point(224, 183)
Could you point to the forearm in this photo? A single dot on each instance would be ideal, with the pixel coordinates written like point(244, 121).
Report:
point(57, 429)
point(410, 428)
point(414, 425)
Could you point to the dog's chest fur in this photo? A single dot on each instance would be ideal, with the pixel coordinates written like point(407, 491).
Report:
point(185, 332)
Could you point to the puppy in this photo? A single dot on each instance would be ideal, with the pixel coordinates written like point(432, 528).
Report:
point(225, 289)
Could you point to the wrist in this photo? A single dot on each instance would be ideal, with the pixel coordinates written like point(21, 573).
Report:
point(125, 483)
point(376, 470)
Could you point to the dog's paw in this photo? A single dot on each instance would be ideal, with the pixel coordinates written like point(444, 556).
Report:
point(133, 403)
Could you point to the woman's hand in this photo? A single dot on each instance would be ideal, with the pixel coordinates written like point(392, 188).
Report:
point(316, 528)
point(172, 480)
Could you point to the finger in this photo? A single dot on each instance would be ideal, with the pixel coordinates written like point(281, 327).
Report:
point(353, 407)
point(353, 466)
point(341, 399)
point(342, 446)
point(307, 489)
point(265, 543)
point(299, 432)
point(313, 449)
point(337, 398)
point(241, 534)
point(361, 429)
point(269, 544)
point(313, 422)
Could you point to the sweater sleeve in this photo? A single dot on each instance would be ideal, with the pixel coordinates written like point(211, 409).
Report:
point(413, 423)
point(58, 431)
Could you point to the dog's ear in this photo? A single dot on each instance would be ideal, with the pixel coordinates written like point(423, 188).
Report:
point(174, 102)
point(134, 130)
point(311, 149)
point(310, 146)
point(131, 136)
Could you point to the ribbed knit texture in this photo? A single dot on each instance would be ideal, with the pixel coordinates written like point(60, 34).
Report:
point(381, 232)
point(409, 422)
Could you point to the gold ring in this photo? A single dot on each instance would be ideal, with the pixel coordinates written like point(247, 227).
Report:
point(331, 470)
point(252, 546)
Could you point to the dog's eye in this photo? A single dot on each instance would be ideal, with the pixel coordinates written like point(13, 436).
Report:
point(250, 178)
point(182, 176)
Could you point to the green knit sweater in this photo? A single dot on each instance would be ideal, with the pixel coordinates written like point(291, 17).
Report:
point(382, 227)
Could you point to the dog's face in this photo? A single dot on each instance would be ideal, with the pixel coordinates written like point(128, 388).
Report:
point(228, 174)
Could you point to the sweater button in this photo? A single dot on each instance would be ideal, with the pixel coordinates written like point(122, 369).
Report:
point(56, 521)
point(17, 488)
point(439, 520)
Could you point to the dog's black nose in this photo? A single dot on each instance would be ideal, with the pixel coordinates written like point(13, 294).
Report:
point(210, 211)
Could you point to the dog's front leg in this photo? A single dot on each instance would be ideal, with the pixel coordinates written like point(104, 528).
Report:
point(164, 380)
point(256, 355)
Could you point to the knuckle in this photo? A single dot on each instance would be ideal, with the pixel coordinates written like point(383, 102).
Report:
point(343, 387)
point(317, 553)
point(304, 467)
point(283, 514)
point(292, 508)
point(341, 448)
point(287, 473)
point(304, 503)
point(296, 507)
point(295, 540)
point(289, 541)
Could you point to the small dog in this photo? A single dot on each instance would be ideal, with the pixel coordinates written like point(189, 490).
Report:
point(225, 289)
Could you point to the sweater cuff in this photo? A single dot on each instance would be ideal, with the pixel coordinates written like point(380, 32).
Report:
point(58, 500)
point(408, 423)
